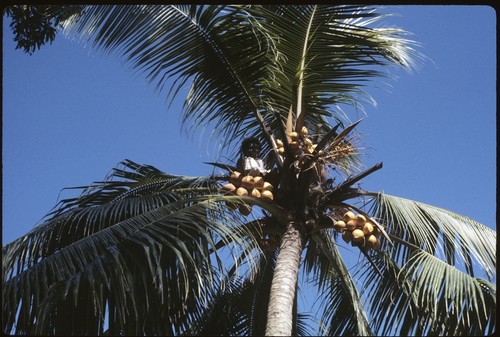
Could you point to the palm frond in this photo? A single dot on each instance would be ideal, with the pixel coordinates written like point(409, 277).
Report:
point(457, 239)
point(426, 296)
point(241, 309)
point(142, 260)
point(220, 52)
point(344, 312)
point(330, 51)
point(127, 192)
point(455, 302)
point(425, 288)
point(246, 65)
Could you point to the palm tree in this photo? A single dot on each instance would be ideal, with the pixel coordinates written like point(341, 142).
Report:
point(146, 252)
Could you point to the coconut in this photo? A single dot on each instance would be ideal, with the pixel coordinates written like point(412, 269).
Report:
point(360, 220)
point(279, 143)
point(267, 186)
point(371, 241)
point(339, 225)
point(281, 151)
point(367, 228)
point(347, 236)
point(349, 216)
point(357, 235)
point(294, 135)
point(247, 182)
point(241, 191)
point(265, 194)
point(258, 182)
point(308, 142)
point(245, 209)
point(229, 187)
point(235, 178)
point(304, 131)
point(351, 225)
point(255, 193)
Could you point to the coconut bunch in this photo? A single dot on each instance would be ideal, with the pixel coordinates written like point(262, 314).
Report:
point(358, 230)
point(243, 185)
point(301, 143)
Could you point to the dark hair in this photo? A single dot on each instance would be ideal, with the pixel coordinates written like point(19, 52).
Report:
point(247, 142)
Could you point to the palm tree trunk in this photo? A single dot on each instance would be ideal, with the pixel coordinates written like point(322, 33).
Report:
point(284, 284)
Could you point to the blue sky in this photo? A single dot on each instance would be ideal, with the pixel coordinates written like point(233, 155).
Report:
point(70, 114)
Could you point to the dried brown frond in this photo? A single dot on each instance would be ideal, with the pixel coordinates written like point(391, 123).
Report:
point(345, 154)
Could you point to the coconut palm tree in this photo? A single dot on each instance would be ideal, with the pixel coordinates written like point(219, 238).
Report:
point(147, 252)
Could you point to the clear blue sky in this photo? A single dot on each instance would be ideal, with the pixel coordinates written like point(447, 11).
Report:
point(70, 114)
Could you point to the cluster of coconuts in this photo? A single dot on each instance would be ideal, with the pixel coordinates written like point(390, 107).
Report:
point(300, 142)
point(358, 230)
point(243, 185)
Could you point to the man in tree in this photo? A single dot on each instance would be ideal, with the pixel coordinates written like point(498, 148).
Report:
point(249, 162)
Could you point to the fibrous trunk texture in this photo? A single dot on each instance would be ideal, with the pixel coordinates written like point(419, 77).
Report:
point(281, 299)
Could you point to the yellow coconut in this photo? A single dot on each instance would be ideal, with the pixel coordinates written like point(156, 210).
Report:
point(339, 225)
point(267, 186)
point(247, 182)
point(371, 241)
point(279, 143)
point(294, 135)
point(235, 178)
point(308, 142)
point(304, 131)
point(367, 228)
point(266, 195)
point(347, 236)
point(281, 151)
point(245, 209)
point(255, 193)
point(241, 191)
point(351, 225)
point(349, 216)
point(360, 220)
point(229, 187)
point(357, 235)
point(258, 182)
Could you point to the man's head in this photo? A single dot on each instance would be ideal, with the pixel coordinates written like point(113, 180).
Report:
point(250, 147)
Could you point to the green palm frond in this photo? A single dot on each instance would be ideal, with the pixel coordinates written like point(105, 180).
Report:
point(150, 262)
point(457, 239)
point(241, 309)
point(426, 288)
point(220, 52)
point(455, 303)
point(245, 66)
point(427, 296)
point(139, 189)
point(344, 312)
point(330, 51)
